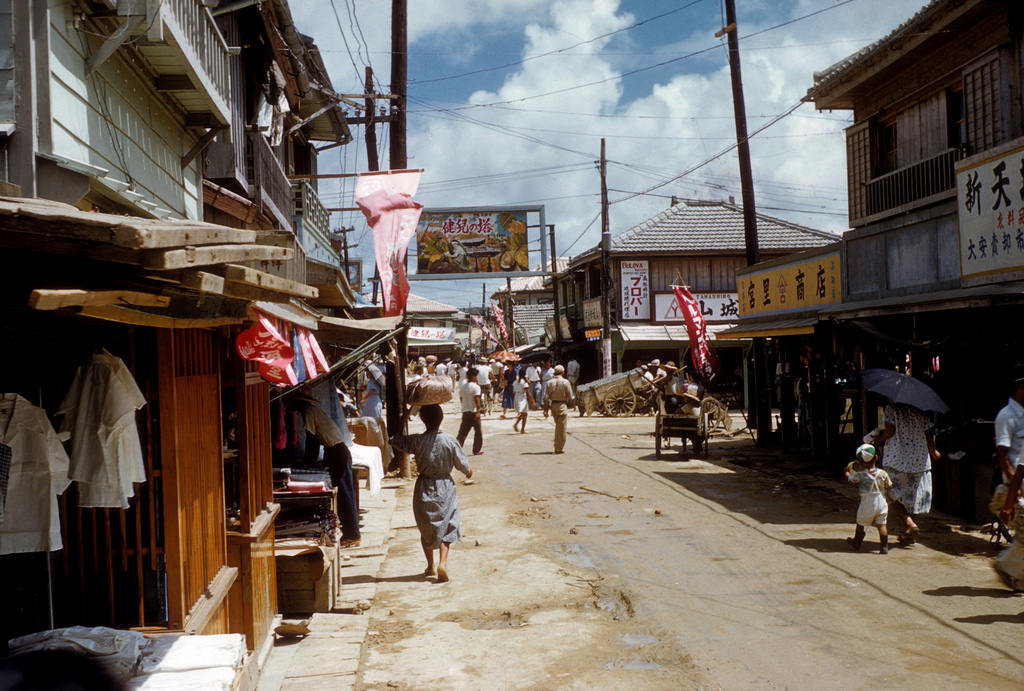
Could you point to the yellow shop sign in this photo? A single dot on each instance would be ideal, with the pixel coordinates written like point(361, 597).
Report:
point(791, 287)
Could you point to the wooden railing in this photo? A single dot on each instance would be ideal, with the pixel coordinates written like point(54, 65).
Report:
point(914, 183)
point(312, 223)
point(198, 37)
point(268, 179)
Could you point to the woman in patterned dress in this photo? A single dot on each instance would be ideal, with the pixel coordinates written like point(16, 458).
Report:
point(909, 440)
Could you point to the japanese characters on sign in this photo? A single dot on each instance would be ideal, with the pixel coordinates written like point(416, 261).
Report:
point(714, 307)
point(635, 296)
point(990, 211)
point(432, 333)
point(592, 312)
point(791, 287)
point(472, 242)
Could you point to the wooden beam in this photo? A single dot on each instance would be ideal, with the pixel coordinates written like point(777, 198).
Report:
point(44, 299)
point(174, 82)
point(186, 257)
point(202, 281)
point(124, 315)
point(203, 142)
point(262, 279)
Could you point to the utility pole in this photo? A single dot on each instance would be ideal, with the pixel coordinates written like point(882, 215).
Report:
point(606, 279)
point(554, 288)
point(371, 158)
point(399, 72)
point(399, 63)
point(762, 408)
point(508, 312)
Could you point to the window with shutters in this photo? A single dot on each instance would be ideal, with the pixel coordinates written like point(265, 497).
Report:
point(982, 120)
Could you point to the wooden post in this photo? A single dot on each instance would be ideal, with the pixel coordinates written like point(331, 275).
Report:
point(554, 288)
point(399, 66)
point(508, 313)
point(606, 279)
point(762, 409)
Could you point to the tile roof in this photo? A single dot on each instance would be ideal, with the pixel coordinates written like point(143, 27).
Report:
point(417, 304)
point(713, 226)
point(532, 317)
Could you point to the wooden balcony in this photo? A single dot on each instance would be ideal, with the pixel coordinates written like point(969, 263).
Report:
point(312, 224)
point(268, 183)
point(188, 53)
point(915, 185)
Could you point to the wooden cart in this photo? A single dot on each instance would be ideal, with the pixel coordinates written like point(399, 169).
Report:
point(620, 394)
point(695, 427)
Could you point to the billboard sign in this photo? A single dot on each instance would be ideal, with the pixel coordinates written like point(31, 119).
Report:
point(990, 211)
point(714, 307)
point(636, 299)
point(472, 242)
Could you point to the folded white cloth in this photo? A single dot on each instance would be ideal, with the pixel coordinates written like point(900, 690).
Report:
point(182, 653)
point(369, 457)
point(212, 679)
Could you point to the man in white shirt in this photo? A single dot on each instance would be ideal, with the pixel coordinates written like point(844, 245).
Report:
point(547, 373)
point(483, 378)
point(469, 397)
point(533, 378)
point(572, 372)
point(441, 369)
point(1006, 500)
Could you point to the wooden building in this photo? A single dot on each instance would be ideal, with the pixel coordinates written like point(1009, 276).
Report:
point(698, 243)
point(932, 266)
point(108, 111)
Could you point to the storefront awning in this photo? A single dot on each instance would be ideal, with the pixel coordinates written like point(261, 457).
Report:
point(959, 298)
point(768, 328)
point(353, 332)
point(665, 332)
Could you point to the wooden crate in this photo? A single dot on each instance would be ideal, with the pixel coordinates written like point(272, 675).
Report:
point(308, 582)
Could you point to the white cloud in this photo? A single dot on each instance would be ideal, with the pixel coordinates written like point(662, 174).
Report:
point(679, 120)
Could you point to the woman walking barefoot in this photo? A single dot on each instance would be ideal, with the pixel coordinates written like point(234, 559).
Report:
point(434, 503)
point(523, 402)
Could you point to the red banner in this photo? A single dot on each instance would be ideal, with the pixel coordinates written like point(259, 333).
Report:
point(499, 316)
point(263, 343)
point(385, 200)
point(704, 358)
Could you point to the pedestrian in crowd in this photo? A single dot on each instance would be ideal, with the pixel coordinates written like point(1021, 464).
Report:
point(547, 373)
point(441, 369)
point(572, 372)
point(1006, 500)
point(559, 397)
point(372, 405)
point(523, 401)
point(483, 378)
point(508, 375)
point(456, 372)
point(907, 456)
point(435, 504)
point(469, 397)
point(872, 483)
point(533, 377)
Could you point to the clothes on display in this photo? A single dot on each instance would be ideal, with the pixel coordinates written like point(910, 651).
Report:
point(99, 414)
point(38, 475)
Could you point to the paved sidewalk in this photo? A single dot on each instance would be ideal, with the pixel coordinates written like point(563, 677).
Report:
point(328, 658)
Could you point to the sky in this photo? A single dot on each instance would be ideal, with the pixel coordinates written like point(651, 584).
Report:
point(509, 100)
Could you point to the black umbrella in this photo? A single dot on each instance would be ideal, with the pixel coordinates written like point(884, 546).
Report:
point(902, 388)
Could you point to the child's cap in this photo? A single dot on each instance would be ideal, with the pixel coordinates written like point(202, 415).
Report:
point(865, 452)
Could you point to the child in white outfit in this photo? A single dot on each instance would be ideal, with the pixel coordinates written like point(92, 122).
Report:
point(873, 482)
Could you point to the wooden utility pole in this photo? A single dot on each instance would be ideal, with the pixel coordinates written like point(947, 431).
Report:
point(399, 75)
point(606, 279)
point(510, 321)
point(554, 288)
point(762, 407)
point(399, 62)
point(371, 127)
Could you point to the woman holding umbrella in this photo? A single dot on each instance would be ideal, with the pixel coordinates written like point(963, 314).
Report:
point(909, 440)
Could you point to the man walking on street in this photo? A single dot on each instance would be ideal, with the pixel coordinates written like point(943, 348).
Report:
point(1006, 501)
point(469, 396)
point(572, 372)
point(558, 395)
point(483, 378)
point(547, 373)
point(533, 379)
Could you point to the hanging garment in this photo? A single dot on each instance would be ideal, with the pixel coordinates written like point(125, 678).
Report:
point(99, 413)
point(38, 474)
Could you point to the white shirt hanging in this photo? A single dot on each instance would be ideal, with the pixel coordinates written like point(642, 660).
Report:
point(38, 474)
point(99, 413)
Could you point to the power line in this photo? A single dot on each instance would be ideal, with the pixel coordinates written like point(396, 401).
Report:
point(556, 51)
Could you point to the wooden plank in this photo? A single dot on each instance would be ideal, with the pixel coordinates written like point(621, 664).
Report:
point(202, 281)
point(262, 279)
point(172, 518)
point(130, 316)
point(185, 257)
point(44, 299)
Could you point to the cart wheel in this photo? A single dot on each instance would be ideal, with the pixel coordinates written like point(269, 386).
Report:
point(619, 403)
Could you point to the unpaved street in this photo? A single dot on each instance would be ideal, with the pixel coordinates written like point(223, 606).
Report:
point(729, 572)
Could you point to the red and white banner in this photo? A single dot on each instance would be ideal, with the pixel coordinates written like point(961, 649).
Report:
point(263, 343)
point(485, 329)
point(499, 316)
point(385, 200)
point(704, 358)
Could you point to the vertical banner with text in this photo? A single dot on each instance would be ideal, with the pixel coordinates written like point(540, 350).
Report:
point(636, 300)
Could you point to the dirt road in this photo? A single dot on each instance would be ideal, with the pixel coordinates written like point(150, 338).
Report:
point(606, 568)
